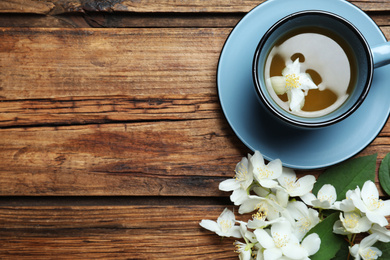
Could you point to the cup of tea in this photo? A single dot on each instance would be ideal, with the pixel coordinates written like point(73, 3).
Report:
point(314, 68)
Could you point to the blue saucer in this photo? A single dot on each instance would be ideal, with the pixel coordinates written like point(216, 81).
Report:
point(298, 149)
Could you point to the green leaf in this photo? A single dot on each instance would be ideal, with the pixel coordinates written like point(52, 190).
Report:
point(385, 248)
point(347, 175)
point(343, 253)
point(330, 242)
point(384, 174)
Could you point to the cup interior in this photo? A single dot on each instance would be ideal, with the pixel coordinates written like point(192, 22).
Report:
point(339, 26)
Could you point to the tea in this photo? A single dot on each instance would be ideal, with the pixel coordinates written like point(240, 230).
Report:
point(328, 61)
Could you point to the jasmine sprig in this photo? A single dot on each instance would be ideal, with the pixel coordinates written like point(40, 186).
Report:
point(301, 218)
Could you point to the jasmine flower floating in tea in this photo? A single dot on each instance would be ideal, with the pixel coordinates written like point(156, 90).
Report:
point(294, 83)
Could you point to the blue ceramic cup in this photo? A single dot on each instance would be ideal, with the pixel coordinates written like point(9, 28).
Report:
point(365, 60)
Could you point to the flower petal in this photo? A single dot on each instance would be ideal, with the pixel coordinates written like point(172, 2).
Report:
point(385, 208)
point(278, 83)
point(257, 160)
point(264, 238)
point(308, 198)
point(338, 228)
point(250, 204)
point(238, 196)
point(354, 251)
point(364, 224)
point(235, 232)
point(294, 251)
point(229, 185)
point(382, 232)
point(288, 175)
point(272, 254)
point(209, 225)
point(298, 209)
point(276, 169)
point(297, 99)
point(369, 192)
point(369, 241)
point(305, 185)
point(281, 229)
point(227, 215)
point(266, 183)
point(376, 218)
point(306, 81)
point(357, 201)
point(328, 193)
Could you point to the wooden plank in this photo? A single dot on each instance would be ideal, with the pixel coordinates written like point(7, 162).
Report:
point(155, 158)
point(137, 20)
point(139, 159)
point(121, 20)
point(105, 232)
point(99, 75)
point(187, 6)
point(52, 63)
point(69, 86)
point(107, 109)
point(139, 232)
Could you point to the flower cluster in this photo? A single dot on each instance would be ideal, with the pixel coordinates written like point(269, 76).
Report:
point(284, 211)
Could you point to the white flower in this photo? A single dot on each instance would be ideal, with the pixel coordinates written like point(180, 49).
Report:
point(294, 82)
point(351, 223)
point(244, 250)
point(325, 199)
point(369, 203)
point(364, 250)
point(240, 183)
point(293, 186)
point(382, 232)
point(347, 205)
point(305, 218)
point(243, 178)
point(224, 226)
point(256, 222)
point(239, 196)
point(280, 241)
point(311, 244)
point(266, 208)
point(266, 174)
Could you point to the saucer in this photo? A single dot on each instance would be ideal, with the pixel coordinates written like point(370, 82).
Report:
point(258, 130)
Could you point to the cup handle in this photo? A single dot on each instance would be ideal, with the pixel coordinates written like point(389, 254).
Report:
point(381, 54)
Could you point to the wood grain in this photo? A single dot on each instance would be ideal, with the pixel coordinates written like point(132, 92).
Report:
point(156, 159)
point(107, 232)
point(112, 140)
point(108, 62)
point(119, 159)
point(140, 232)
point(193, 6)
point(81, 122)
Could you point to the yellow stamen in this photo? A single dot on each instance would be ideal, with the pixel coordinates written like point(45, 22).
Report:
point(292, 81)
point(264, 172)
point(261, 213)
point(375, 203)
point(351, 220)
point(369, 254)
point(241, 173)
point(225, 225)
point(304, 224)
point(291, 184)
point(323, 197)
point(279, 240)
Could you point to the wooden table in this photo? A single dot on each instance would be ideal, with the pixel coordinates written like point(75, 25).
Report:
point(112, 139)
